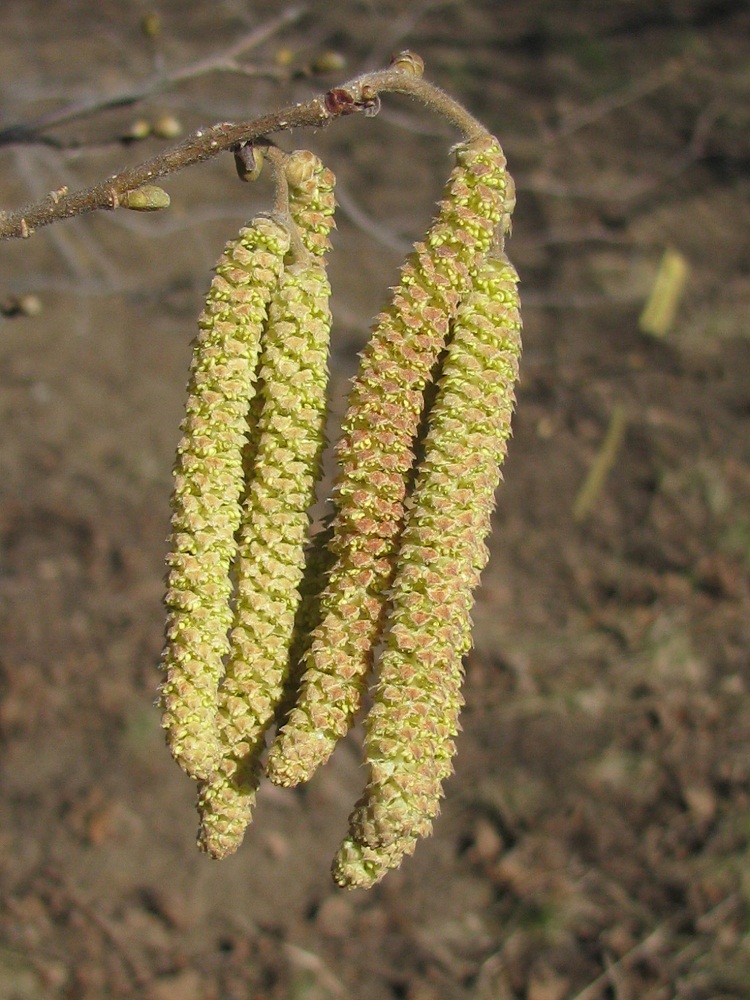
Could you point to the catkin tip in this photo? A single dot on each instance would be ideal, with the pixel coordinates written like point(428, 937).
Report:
point(357, 866)
point(225, 804)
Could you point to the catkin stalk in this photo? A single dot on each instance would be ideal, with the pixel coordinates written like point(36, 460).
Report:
point(375, 455)
point(280, 489)
point(208, 484)
point(414, 718)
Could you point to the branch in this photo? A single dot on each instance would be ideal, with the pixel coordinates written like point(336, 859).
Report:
point(225, 61)
point(360, 95)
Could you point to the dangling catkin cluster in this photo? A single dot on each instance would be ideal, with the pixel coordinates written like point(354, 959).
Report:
point(282, 472)
point(416, 701)
point(271, 545)
point(375, 456)
point(245, 478)
point(267, 627)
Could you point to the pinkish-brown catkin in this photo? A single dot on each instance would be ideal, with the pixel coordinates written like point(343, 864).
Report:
point(375, 455)
point(208, 485)
point(414, 716)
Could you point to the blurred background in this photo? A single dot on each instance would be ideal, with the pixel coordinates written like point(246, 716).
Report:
point(593, 842)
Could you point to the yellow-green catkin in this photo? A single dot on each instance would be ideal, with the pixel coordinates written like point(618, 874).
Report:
point(414, 718)
point(375, 455)
point(208, 484)
point(280, 491)
point(311, 208)
point(311, 199)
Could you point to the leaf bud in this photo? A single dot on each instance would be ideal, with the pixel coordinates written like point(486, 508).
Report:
point(408, 62)
point(249, 161)
point(151, 24)
point(148, 198)
point(168, 127)
point(328, 62)
point(140, 129)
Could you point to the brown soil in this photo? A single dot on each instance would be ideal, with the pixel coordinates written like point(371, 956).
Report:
point(593, 843)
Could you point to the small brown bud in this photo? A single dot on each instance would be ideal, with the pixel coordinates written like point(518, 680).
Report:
point(408, 62)
point(340, 102)
point(249, 161)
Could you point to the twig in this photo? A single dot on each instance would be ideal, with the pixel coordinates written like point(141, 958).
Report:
point(636, 90)
point(308, 961)
point(651, 943)
point(78, 247)
point(602, 465)
point(533, 300)
point(358, 95)
point(224, 61)
point(628, 191)
point(133, 967)
point(369, 226)
point(397, 29)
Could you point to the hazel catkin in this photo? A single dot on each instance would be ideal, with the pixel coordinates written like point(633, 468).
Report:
point(417, 697)
point(271, 546)
point(208, 484)
point(375, 455)
point(282, 469)
point(311, 199)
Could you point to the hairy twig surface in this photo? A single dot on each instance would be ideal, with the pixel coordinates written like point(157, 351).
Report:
point(360, 95)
